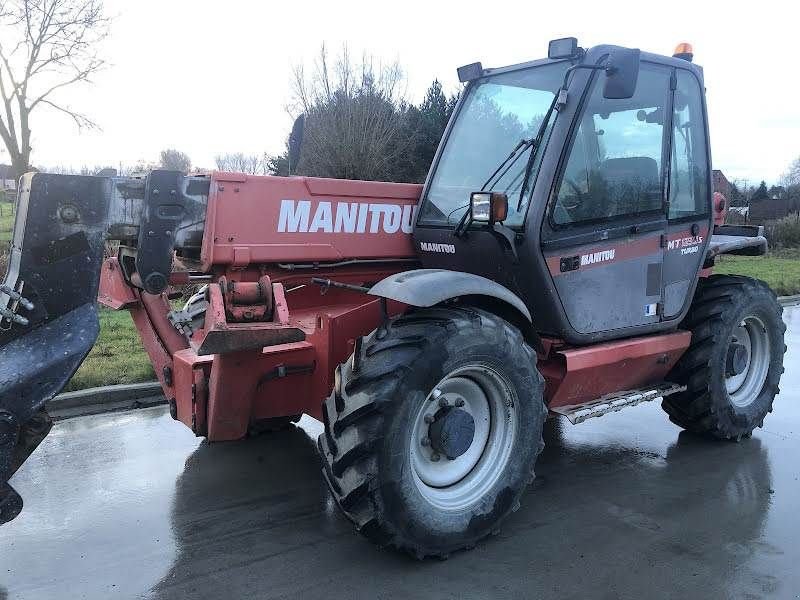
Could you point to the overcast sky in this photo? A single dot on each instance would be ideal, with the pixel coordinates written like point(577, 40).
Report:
point(212, 77)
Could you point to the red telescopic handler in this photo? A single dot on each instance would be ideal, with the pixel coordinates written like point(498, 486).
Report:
point(558, 260)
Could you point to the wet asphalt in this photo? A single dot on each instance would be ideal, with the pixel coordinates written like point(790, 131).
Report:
point(626, 506)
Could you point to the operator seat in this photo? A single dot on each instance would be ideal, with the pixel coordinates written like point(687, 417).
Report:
point(632, 185)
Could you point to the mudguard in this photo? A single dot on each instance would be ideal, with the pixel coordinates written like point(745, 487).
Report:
point(429, 287)
point(56, 257)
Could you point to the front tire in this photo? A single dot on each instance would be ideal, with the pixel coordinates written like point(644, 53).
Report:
point(431, 439)
point(735, 361)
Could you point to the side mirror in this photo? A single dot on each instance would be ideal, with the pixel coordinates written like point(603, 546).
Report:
point(488, 207)
point(295, 141)
point(622, 73)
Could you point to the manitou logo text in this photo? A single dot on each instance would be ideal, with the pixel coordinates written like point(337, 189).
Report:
point(597, 257)
point(442, 248)
point(296, 216)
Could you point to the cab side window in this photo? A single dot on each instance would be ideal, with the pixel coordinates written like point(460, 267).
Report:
point(615, 162)
point(688, 178)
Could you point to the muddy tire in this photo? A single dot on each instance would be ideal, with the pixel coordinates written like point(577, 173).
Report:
point(735, 361)
point(432, 438)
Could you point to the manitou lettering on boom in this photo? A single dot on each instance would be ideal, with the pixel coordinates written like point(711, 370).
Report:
point(344, 217)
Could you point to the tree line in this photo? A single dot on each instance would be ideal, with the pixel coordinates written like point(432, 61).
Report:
point(788, 187)
point(357, 124)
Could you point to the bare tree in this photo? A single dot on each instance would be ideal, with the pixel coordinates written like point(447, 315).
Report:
point(355, 118)
point(239, 162)
point(742, 192)
point(45, 46)
point(175, 160)
point(72, 170)
point(792, 175)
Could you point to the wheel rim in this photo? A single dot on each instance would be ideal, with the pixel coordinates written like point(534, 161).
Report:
point(488, 398)
point(743, 388)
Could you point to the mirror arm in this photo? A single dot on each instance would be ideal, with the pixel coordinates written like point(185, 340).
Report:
point(562, 93)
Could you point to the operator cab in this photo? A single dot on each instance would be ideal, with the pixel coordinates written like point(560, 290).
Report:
point(580, 182)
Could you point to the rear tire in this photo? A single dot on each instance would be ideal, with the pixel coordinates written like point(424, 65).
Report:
point(734, 363)
point(426, 371)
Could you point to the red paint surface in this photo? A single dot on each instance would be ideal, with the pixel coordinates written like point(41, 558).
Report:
point(242, 220)
point(189, 369)
point(720, 204)
point(242, 386)
point(242, 243)
point(114, 292)
point(576, 375)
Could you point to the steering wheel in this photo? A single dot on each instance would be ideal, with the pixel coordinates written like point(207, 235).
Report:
point(579, 195)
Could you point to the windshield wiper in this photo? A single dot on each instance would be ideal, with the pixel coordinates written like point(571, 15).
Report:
point(507, 162)
point(518, 150)
point(537, 141)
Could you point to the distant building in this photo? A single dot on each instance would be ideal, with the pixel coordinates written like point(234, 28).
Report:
point(721, 183)
point(770, 209)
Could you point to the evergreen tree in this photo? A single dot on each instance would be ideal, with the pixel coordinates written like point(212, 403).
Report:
point(761, 192)
point(409, 145)
point(777, 191)
point(434, 113)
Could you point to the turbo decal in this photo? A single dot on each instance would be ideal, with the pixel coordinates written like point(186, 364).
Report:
point(687, 245)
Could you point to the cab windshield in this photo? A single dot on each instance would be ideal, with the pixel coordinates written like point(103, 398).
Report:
point(499, 112)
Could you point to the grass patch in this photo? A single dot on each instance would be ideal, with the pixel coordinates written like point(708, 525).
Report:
point(6, 222)
point(781, 271)
point(117, 357)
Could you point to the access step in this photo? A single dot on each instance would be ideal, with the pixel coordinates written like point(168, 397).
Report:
point(578, 413)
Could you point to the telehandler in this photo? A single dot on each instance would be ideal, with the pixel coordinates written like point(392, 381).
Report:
point(557, 261)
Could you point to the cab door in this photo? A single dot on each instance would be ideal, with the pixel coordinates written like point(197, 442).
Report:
point(603, 239)
point(689, 207)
